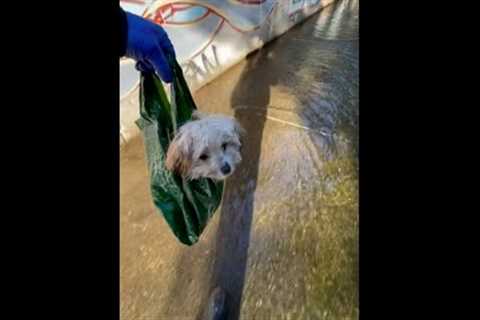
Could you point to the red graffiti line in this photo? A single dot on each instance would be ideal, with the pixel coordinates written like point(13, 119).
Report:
point(162, 14)
point(202, 49)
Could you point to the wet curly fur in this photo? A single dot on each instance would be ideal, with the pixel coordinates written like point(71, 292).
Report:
point(206, 147)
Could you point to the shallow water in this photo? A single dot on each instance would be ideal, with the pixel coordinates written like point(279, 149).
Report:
point(284, 244)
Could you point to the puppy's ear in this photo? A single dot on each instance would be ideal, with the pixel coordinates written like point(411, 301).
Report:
point(197, 115)
point(179, 154)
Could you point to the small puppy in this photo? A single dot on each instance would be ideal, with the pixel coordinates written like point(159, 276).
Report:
point(206, 147)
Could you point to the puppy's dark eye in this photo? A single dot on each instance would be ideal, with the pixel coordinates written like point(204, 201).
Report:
point(203, 157)
point(224, 146)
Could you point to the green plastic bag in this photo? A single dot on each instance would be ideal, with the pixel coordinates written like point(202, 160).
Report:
point(186, 205)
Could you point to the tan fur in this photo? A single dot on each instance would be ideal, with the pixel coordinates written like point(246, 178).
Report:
point(178, 158)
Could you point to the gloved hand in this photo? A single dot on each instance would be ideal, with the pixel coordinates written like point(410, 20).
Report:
point(148, 44)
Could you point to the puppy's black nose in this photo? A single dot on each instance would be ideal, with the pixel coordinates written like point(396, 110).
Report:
point(226, 168)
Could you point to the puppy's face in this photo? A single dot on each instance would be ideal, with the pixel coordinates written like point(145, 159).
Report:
point(207, 147)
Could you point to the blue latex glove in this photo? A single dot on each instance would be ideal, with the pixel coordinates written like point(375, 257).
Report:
point(148, 44)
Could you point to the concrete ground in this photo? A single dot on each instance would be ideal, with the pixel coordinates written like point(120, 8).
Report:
point(284, 243)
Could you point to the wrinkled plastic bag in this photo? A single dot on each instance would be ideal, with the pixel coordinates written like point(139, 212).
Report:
point(186, 205)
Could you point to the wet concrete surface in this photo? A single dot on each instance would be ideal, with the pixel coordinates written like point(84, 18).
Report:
point(284, 243)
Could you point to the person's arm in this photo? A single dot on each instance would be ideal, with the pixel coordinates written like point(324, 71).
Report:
point(147, 43)
point(123, 31)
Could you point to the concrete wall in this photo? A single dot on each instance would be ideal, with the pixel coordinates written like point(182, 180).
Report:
point(209, 37)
